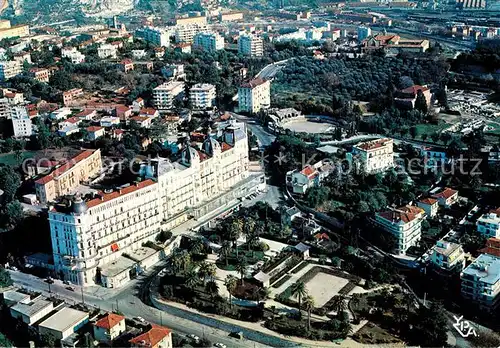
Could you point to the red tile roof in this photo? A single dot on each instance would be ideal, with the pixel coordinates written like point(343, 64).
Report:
point(413, 90)
point(428, 201)
point(148, 111)
point(492, 247)
point(109, 321)
point(58, 171)
point(127, 61)
point(308, 171)
point(94, 128)
point(225, 147)
point(404, 214)
point(152, 337)
point(253, 83)
point(73, 120)
point(446, 193)
point(105, 197)
point(372, 145)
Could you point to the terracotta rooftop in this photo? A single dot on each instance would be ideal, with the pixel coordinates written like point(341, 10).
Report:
point(308, 171)
point(109, 321)
point(446, 193)
point(413, 90)
point(253, 83)
point(401, 214)
point(65, 167)
point(374, 144)
point(428, 201)
point(94, 128)
point(152, 337)
point(106, 197)
point(492, 247)
point(225, 146)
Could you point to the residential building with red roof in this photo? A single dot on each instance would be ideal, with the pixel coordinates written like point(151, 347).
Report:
point(429, 205)
point(138, 104)
point(404, 224)
point(87, 114)
point(446, 197)
point(149, 112)
point(66, 177)
point(254, 95)
point(374, 156)
point(299, 181)
point(156, 337)
point(141, 121)
point(126, 65)
point(407, 97)
point(109, 327)
point(95, 132)
point(492, 247)
point(123, 112)
point(393, 44)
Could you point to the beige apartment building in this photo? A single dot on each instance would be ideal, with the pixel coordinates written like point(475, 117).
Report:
point(254, 95)
point(7, 31)
point(374, 156)
point(64, 179)
point(199, 20)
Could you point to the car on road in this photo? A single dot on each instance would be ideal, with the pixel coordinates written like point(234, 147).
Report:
point(140, 319)
point(70, 288)
point(220, 345)
point(49, 280)
point(67, 282)
point(194, 337)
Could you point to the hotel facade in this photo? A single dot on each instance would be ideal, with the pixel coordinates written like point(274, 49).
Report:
point(91, 235)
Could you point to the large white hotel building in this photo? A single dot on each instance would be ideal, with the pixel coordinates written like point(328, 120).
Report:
point(90, 235)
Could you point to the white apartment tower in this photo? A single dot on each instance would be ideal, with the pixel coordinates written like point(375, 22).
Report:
point(250, 45)
point(21, 123)
point(186, 33)
point(375, 156)
point(107, 51)
point(165, 94)
point(208, 41)
point(156, 36)
point(202, 96)
point(254, 95)
point(10, 69)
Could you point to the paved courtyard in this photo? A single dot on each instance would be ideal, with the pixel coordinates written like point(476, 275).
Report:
point(308, 127)
point(322, 287)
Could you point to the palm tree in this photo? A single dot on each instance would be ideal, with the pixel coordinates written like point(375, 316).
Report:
point(234, 231)
point(185, 261)
point(198, 247)
point(309, 306)
point(338, 304)
point(191, 279)
point(249, 229)
point(225, 251)
point(355, 300)
point(206, 270)
point(176, 262)
point(231, 282)
point(212, 288)
point(241, 268)
point(299, 290)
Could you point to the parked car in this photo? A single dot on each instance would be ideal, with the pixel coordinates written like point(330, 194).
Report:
point(140, 319)
point(70, 288)
point(67, 282)
point(220, 345)
point(49, 280)
point(194, 337)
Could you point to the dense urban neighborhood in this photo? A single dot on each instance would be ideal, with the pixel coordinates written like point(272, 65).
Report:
point(245, 173)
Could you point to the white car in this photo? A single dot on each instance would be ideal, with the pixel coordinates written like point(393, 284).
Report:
point(220, 345)
point(194, 337)
point(141, 319)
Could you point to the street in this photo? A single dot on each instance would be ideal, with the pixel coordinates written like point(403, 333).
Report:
point(127, 301)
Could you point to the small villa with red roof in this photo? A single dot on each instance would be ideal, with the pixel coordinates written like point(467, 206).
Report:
point(109, 327)
point(310, 175)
